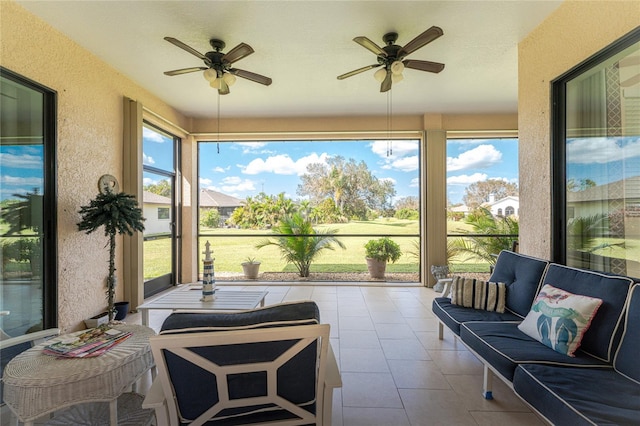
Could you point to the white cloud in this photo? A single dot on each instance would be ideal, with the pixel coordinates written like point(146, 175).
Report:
point(21, 180)
point(480, 157)
point(400, 148)
point(205, 182)
point(147, 160)
point(600, 150)
point(151, 136)
point(282, 164)
point(220, 169)
point(466, 179)
point(415, 182)
point(24, 161)
point(404, 164)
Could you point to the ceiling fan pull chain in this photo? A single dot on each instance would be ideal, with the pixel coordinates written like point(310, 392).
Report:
point(218, 124)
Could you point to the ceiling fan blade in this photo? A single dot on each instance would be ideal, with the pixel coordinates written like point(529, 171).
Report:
point(631, 81)
point(426, 37)
point(224, 88)
point(185, 70)
point(368, 44)
point(386, 83)
point(358, 71)
point(240, 51)
point(251, 76)
point(183, 46)
point(423, 65)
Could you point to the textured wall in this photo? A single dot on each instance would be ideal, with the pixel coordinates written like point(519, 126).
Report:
point(574, 32)
point(89, 145)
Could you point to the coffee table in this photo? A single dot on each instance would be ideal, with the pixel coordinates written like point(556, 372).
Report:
point(187, 297)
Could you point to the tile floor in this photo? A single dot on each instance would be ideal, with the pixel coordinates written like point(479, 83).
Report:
point(395, 371)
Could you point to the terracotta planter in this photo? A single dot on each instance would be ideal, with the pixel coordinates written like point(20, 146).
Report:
point(376, 268)
point(251, 270)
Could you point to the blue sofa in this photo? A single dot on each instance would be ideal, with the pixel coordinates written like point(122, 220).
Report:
point(561, 388)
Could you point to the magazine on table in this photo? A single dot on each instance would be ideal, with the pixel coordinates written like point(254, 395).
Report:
point(87, 343)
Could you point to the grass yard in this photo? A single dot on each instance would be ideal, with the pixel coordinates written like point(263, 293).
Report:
point(233, 246)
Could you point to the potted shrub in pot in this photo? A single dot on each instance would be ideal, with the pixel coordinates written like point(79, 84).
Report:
point(119, 214)
point(251, 267)
point(378, 253)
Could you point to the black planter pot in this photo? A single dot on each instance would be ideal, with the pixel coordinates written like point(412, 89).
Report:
point(122, 309)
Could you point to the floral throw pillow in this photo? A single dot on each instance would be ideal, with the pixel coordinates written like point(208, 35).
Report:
point(478, 294)
point(559, 319)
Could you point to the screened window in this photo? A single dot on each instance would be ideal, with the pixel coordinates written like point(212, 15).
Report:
point(352, 190)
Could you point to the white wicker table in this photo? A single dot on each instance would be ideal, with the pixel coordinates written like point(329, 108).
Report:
point(187, 297)
point(36, 384)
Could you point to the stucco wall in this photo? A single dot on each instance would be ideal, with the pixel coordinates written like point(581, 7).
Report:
point(89, 145)
point(573, 33)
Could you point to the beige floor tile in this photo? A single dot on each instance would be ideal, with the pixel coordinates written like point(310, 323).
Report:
point(363, 360)
point(469, 387)
point(484, 418)
point(356, 323)
point(413, 374)
point(356, 339)
point(404, 349)
point(426, 407)
point(374, 390)
point(456, 362)
point(394, 331)
point(357, 416)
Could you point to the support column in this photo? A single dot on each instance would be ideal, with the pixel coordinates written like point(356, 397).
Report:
point(434, 194)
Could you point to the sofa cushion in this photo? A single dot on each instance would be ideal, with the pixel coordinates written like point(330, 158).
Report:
point(522, 275)
point(282, 314)
point(478, 294)
point(626, 359)
point(579, 396)
point(559, 319)
point(454, 315)
point(504, 346)
point(602, 337)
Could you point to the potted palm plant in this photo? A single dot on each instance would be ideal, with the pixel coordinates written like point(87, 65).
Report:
point(118, 213)
point(300, 243)
point(378, 253)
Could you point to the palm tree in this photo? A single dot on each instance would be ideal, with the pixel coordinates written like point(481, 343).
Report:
point(499, 233)
point(299, 243)
point(119, 214)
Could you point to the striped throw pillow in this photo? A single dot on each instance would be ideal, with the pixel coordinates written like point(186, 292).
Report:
point(478, 294)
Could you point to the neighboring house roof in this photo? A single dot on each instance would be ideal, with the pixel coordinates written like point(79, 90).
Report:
point(211, 198)
point(628, 189)
point(151, 198)
point(513, 198)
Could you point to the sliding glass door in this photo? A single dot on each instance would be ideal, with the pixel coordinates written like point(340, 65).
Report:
point(27, 206)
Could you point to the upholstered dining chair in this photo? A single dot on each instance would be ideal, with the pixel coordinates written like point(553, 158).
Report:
point(269, 365)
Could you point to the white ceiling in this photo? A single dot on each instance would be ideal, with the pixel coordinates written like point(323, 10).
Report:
point(303, 46)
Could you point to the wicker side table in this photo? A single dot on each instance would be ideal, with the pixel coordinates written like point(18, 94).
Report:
point(36, 384)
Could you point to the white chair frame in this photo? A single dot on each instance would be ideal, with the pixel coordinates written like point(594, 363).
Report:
point(161, 396)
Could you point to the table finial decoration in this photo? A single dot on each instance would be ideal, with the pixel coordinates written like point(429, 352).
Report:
point(209, 276)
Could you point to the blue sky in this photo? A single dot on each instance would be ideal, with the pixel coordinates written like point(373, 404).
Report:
point(245, 169)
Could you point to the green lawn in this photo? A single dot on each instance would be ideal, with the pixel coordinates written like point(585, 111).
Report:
point(232, 246)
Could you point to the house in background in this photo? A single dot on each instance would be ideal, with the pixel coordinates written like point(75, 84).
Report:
point(507, 206)
point(225, 204)
point(156, 209)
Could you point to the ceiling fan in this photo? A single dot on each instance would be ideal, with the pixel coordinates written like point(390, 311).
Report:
point(218, 70)
point(391, 57)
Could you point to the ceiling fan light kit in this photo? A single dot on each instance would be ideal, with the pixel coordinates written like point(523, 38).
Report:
point(391, 57)
point(218, 69)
